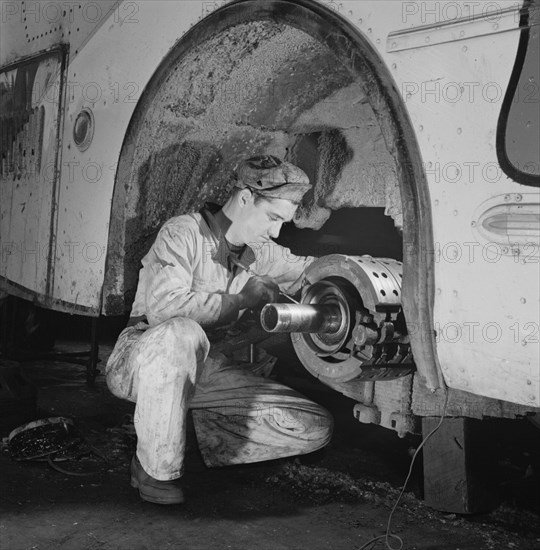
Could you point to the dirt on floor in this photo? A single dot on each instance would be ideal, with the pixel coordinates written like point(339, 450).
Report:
point(338, 498)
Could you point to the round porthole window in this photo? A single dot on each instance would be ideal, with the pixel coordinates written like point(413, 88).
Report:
point(83, 129)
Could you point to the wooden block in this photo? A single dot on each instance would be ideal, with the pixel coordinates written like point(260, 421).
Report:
point(451, 483)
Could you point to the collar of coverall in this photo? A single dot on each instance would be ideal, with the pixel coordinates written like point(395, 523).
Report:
point(218, 224)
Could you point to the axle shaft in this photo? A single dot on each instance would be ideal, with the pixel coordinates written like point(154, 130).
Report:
point(324, 319)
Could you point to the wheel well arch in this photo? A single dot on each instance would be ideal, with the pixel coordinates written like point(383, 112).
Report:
point(359, 58)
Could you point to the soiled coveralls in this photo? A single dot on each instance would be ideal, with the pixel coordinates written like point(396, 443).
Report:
point(166, 365)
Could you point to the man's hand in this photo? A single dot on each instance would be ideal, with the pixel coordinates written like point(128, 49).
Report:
point(258, 291)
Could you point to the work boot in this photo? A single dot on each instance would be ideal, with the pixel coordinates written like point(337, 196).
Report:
point(153, 490)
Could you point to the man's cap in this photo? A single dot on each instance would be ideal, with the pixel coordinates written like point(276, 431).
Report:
point(273, 178)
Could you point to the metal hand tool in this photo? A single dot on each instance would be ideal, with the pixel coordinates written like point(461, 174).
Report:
point(248, 270)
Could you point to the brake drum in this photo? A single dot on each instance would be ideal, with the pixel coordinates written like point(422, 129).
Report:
point(370, 342)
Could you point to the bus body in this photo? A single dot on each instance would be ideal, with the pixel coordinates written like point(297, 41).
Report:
point(106, 104)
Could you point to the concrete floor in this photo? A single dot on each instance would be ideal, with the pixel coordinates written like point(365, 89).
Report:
point(334, 499)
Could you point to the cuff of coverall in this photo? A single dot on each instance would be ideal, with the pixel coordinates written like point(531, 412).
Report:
point(170, 474)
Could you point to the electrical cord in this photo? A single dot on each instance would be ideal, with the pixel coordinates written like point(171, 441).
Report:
point(55, 466)
point(387, 536)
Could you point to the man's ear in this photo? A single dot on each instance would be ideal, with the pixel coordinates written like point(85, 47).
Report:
point(245, 197)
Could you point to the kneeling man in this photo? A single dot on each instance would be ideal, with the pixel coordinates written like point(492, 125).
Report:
point(201, 273)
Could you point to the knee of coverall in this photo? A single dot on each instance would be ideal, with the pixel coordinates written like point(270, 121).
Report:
point(169, 358)
point(162, 352)
point(157, 348)
point(182, 333)
point(327, 423)
point(321, 428)
point(315, 423)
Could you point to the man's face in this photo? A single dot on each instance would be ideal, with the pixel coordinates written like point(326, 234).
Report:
point(262, 220)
